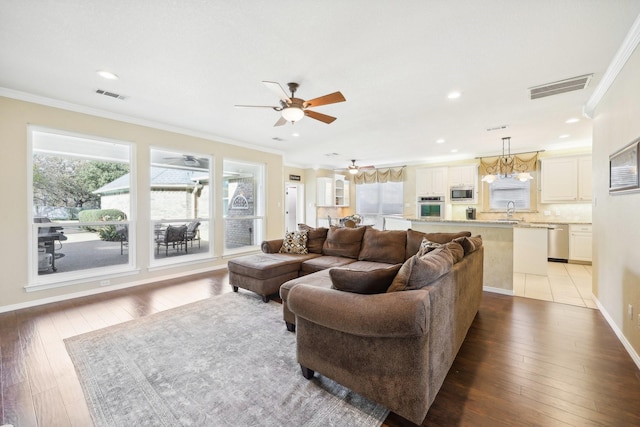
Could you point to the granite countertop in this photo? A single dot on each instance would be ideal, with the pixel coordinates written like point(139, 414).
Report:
point(512, 222)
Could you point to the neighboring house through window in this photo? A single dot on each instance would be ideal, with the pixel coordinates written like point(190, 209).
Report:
point(243, 205)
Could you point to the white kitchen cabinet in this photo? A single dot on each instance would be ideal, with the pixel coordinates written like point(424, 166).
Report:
point(585, 183)
point(431, 181)
point(580, 242)
point(566, 179)
point(463, 176)
point(332, 191)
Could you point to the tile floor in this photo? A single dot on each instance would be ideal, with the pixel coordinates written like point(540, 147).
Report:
point(565, 283)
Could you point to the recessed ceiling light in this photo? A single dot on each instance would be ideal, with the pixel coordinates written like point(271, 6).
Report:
point(295, 135)
point(455, 150)
point(107, 75)
point(440, 141)
point(572, 120)
point(566, 135)
point(454, 95)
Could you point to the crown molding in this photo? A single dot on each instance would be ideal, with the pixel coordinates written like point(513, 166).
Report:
point(619, 60)
point(77, 108)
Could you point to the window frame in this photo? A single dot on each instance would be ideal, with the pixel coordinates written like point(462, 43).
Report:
point(259, 215)
point(37, 281)
point(156, 262)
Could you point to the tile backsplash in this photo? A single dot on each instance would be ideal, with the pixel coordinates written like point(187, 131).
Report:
point(560, 212)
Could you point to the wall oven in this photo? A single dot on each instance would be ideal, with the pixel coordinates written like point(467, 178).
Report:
point(431, 207)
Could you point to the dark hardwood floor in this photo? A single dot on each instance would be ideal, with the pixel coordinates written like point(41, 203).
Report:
point(524, 363)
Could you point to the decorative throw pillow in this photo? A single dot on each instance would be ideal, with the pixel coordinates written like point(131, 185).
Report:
point(315, 237)
point(363, 282)
point(383, 246)
point(294, 242)
point(414, 238)
point(470, 244)
point(456, 250)
point(418, 272)
point(427, 246)
point(344, 242)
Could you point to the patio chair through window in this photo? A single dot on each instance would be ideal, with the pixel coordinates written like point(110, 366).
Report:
point(193, 232)
point(174, 237)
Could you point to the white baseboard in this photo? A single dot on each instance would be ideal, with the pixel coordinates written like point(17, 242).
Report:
point(102, 289)
point(498, 290)
point(627, 345)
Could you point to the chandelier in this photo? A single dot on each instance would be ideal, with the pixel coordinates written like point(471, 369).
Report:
point(506, 165)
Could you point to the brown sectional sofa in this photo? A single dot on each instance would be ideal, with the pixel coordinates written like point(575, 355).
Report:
point(394, 347)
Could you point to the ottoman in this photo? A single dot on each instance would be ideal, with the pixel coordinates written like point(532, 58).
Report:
point(264, 273)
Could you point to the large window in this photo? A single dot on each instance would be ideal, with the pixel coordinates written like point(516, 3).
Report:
point(243, 205)
point(180, 206)
point(375, 200)
point(506, 189)
point(75, 234)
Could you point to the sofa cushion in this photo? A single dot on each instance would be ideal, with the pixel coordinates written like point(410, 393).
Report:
point(414, 238)
point(383, 246)
point(319, 278)
point(456, 250)
point(323, 262)
point(418, 272)
point(343, 242)
point(294, 242)
point(470, 244)
point(363, 282)
point(315, 237)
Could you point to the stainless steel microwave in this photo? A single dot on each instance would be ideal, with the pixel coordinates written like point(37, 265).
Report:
point(461, 194)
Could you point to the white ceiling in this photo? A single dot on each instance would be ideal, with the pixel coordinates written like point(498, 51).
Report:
point(187, 63)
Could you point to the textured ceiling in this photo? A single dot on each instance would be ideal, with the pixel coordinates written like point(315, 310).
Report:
point(186, 64)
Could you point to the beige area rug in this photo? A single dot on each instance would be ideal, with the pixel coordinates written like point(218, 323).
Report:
point(224, 361)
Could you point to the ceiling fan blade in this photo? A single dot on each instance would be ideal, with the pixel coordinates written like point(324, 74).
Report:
point(281, 122)
point(277, 89)
point(319, 116)
point(332, 98)
point(256, 106)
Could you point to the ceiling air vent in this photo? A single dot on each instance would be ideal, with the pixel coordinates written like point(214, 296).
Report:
point(111, 94)
point(562, 86)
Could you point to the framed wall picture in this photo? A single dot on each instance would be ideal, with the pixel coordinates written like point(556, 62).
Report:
point(623, 169)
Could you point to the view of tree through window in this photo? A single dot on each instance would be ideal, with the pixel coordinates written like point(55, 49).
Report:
point(74, 234)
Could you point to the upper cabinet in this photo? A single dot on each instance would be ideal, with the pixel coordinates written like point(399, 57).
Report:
point(466, 176)
point(566, 179)
point(333, 191)
point(431, 181)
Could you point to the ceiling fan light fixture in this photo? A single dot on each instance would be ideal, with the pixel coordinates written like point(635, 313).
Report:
point(292, 114)
point(353, 169)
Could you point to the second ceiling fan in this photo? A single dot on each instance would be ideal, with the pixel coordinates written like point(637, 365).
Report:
point(293, 109)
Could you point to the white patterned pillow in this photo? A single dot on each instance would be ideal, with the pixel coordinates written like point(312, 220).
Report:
point(294, 242)
point(427, 246)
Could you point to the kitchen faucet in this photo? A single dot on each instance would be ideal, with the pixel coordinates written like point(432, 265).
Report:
point(511, 208)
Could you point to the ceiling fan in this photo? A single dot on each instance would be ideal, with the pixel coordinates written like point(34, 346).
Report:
point(187, 161)
point(353, 168)
point(293, 109)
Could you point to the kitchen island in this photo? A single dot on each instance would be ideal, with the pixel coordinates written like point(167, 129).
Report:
point(497, 239)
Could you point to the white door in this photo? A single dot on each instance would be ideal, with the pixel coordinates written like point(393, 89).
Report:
point(291, 208)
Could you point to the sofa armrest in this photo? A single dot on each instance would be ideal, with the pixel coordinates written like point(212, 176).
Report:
point(271, 246)
point(396, 314)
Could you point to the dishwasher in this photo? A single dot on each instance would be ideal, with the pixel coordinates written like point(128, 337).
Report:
point(558, 243)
